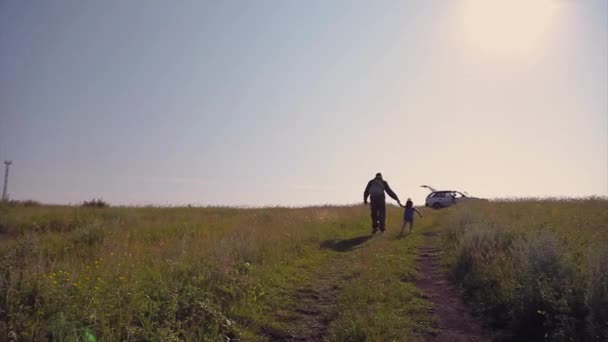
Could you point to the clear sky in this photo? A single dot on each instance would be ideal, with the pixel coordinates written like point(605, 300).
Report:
point(302, 102)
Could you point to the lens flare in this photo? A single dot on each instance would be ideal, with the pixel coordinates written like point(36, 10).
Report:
point(507, 27)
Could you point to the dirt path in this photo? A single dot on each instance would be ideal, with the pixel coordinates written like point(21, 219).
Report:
point(314, 310)
point(315, 302)
point(455, 323)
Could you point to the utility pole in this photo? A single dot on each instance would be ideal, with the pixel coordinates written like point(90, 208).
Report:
point(7, 163)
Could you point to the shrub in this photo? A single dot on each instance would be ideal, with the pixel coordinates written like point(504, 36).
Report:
point(16, 296)
point(597, 293)
point(95, 203)
point(480, 267)
point(23, 203)
point(88, 235)
point(548, 299)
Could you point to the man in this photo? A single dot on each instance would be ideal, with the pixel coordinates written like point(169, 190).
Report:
point(375, 190)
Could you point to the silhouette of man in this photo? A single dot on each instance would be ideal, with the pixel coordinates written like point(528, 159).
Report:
point(375, 190)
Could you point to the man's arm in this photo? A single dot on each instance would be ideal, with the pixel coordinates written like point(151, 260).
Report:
point(418, 211)
point(366, 192)
point(390, 192)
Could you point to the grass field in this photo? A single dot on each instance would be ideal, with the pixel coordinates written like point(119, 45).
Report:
point(71, 273)
point(534, 268)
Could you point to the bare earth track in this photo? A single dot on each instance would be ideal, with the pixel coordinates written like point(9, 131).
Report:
point(315, 310)
point(454, 321)
point(316, 301)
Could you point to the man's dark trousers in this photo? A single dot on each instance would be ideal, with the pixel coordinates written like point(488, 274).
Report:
point(378, 206)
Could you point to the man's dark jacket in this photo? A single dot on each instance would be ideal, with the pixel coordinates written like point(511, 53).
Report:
point(375, 190)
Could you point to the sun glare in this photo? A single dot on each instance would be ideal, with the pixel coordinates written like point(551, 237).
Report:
point(507, 27)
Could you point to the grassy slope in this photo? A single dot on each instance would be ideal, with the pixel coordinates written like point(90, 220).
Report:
point(212, 273)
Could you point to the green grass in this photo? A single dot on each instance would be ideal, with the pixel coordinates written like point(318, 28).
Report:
point(381, 303)
point(536, 269)
point(68, 273)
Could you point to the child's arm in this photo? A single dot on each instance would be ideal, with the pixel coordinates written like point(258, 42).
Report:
point(418, 211)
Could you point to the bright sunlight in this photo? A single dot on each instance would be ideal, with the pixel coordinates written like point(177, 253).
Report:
point(512, 28)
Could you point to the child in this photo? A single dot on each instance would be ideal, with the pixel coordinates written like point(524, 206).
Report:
point(408, 215)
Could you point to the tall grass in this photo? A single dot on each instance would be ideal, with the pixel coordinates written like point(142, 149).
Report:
point(69, 273)
point(537, 269)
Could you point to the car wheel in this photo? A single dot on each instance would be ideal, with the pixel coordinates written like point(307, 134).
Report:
point(437, 205)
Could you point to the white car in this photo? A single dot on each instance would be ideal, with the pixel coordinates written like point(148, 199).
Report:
point(438, 199)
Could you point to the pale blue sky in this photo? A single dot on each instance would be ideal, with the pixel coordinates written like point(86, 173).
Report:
point(298, 103)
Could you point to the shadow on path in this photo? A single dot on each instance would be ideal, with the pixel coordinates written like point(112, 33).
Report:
point(345, 245)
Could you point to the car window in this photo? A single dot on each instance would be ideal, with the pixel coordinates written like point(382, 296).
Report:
point(439, 195)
